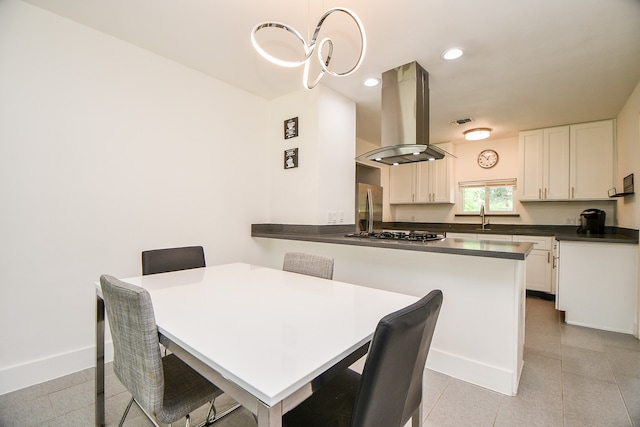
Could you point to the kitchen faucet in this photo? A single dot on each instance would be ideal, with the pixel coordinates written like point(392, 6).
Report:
point(482, 216)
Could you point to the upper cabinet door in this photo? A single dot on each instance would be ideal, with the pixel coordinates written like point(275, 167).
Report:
point(556, 163)
point(531, 164)
point(402, 180)
point(442, 188)
point(592, 160)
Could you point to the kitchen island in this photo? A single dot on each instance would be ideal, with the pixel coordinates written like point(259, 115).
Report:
point(480, 333)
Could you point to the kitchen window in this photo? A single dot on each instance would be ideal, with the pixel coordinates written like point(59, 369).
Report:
point(496, 196)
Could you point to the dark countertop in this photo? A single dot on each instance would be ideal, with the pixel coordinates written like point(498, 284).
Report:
point(336, 235)
point(559, 232)
point(493, 249)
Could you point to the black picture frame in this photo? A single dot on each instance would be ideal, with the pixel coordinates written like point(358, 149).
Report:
point(291, 128)
point(291, 158)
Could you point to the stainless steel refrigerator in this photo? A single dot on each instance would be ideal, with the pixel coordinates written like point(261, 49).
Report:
point(368, 208)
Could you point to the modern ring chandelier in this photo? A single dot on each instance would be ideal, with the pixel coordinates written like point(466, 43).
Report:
point(313, 45)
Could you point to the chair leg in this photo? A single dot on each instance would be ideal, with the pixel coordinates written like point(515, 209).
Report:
point(211, 414)
point(211, 420)
point(416, 419)
point(149, 417)
point(126, 412)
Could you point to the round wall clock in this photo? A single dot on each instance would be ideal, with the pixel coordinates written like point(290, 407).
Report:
point(487, 159)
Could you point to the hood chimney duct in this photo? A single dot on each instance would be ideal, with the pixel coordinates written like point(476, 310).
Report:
point(405, 118)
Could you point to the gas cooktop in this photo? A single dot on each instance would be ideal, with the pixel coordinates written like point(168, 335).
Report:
point(413, 236)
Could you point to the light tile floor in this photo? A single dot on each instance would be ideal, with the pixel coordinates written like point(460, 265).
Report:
point(572, 376)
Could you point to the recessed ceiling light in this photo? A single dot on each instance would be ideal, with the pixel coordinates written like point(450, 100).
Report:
point(372, 82)
point(452, 53)
point(477, 134)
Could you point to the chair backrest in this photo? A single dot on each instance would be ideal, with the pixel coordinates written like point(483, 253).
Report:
point(137, 360)
point(391, 383)
point(172, 259)
point(309, 264)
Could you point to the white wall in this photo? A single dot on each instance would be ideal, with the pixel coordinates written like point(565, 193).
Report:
point(628, 137)
point(324, 181)
point(107, 150)
point(467, 169)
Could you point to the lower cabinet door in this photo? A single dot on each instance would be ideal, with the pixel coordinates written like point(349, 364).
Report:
point(539, 269)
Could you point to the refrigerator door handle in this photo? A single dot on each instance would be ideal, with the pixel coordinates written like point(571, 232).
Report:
point(369, 211)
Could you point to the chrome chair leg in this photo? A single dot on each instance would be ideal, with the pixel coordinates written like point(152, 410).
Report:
point(217, 417)
point(211, 414)
point(126, 412)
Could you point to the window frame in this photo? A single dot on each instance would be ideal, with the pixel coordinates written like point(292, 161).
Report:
point(462, 185)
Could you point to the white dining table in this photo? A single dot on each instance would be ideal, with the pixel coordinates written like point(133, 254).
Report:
point(266, 337)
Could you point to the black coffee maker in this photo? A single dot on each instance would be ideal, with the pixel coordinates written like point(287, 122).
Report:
point(592, 221)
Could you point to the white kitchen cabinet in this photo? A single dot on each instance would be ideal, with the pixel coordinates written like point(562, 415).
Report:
point(592, 160)
point(540, 274)
point(470, 236)
point(495, 237)
point(573, 162)
point(402, 183)
point(480, 236)
point(424, 182)
point(597, 285)
point(544, 164)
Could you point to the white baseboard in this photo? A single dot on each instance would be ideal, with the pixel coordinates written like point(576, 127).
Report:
point(474, 372)
point(38, 371)
point(619, 329)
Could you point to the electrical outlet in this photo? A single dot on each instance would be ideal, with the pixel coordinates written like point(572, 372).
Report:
point(341, 217)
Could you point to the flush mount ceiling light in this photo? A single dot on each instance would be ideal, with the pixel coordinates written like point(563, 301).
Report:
point(372, 82)
point(477, 134)
point(313, 46)
point(452, 53)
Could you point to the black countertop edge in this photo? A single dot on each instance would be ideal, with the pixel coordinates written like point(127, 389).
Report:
point(486, 249)
point(302, 229)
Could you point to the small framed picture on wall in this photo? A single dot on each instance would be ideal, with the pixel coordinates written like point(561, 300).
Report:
point(291, 158)
point(291, 128)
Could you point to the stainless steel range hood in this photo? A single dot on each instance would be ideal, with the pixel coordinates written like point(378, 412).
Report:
point(405, 118)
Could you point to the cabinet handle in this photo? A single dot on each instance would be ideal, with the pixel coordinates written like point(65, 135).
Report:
point(545, 194)
point(548, 257)
point(539, 193)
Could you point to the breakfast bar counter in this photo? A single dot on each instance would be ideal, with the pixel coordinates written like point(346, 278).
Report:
point(338, 235)
point(480, 333)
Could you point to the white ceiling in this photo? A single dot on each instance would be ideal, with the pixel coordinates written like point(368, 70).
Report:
point(527, 63)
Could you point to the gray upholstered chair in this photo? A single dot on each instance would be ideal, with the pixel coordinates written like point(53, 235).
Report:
point(172, 259)
point(389, 391)
point(309, 264)
point(165, 388)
